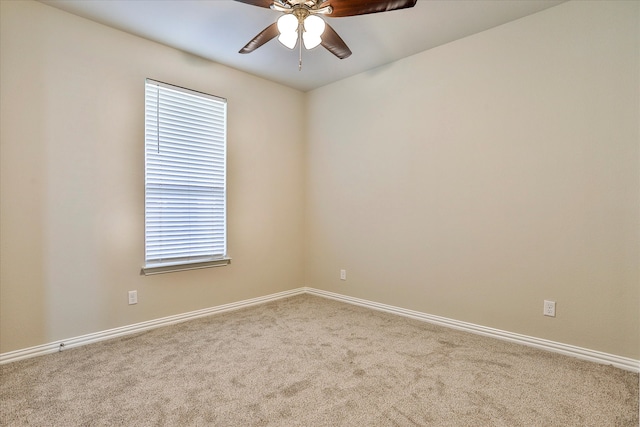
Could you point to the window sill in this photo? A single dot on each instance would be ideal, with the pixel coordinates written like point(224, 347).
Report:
point(170, 268)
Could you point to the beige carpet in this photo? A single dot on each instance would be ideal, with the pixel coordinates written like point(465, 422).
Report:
point(310, 361)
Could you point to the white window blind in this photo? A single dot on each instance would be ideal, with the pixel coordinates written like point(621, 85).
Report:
point(185, 173)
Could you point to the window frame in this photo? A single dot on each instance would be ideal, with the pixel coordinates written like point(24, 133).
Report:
point(188, 262)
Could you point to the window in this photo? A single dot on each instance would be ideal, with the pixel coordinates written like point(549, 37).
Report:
point(185, 174)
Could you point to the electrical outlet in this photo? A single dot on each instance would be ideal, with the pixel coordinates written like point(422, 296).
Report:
point(133, 297)
point(343, 274)
point(549, 308)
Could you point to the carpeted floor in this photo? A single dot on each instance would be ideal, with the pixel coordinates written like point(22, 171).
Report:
point(310, 361)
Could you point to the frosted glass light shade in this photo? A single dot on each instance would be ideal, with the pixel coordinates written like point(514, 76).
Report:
point(288, 27)
point(310, 40)
point(289, 39)
point(313, 29)
point(314, 25)
point(287, 24)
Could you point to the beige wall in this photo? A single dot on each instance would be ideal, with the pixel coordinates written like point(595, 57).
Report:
point(476, 179)
point(470, 181)
point(72, 180)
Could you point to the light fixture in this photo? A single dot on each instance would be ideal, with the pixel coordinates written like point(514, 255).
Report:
point(300, 24)
point(288, 27)
point(313, 29)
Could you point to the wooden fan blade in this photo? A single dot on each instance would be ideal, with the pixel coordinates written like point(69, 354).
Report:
point(362, 7)
point(265, 35)
point(334, 43)
point(259, 3)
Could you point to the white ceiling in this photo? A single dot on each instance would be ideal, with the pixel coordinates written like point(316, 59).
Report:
point(218, 29)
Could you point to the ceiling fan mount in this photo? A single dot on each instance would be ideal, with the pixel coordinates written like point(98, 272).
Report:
point(303, 24)
point(310, 6)
point(301, 12)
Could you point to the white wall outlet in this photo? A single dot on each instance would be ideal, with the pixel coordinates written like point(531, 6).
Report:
point(549, 308)
point(343, 274)
point(133, 297)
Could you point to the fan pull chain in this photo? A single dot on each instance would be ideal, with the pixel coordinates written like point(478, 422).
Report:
point(300, 30)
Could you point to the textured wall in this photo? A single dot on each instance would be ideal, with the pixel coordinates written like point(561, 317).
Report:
point(478, 178)
point(72, 153)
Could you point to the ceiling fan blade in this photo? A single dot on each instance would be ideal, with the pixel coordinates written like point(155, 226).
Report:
point(362, 7)
point(265, 35)
point(334, 43)
point(260, 3)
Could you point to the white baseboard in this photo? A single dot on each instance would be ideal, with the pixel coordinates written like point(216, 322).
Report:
point(138, 327)
point(556, 347)
point(569, 350)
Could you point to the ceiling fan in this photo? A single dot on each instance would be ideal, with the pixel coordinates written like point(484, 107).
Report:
point(301, 22)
